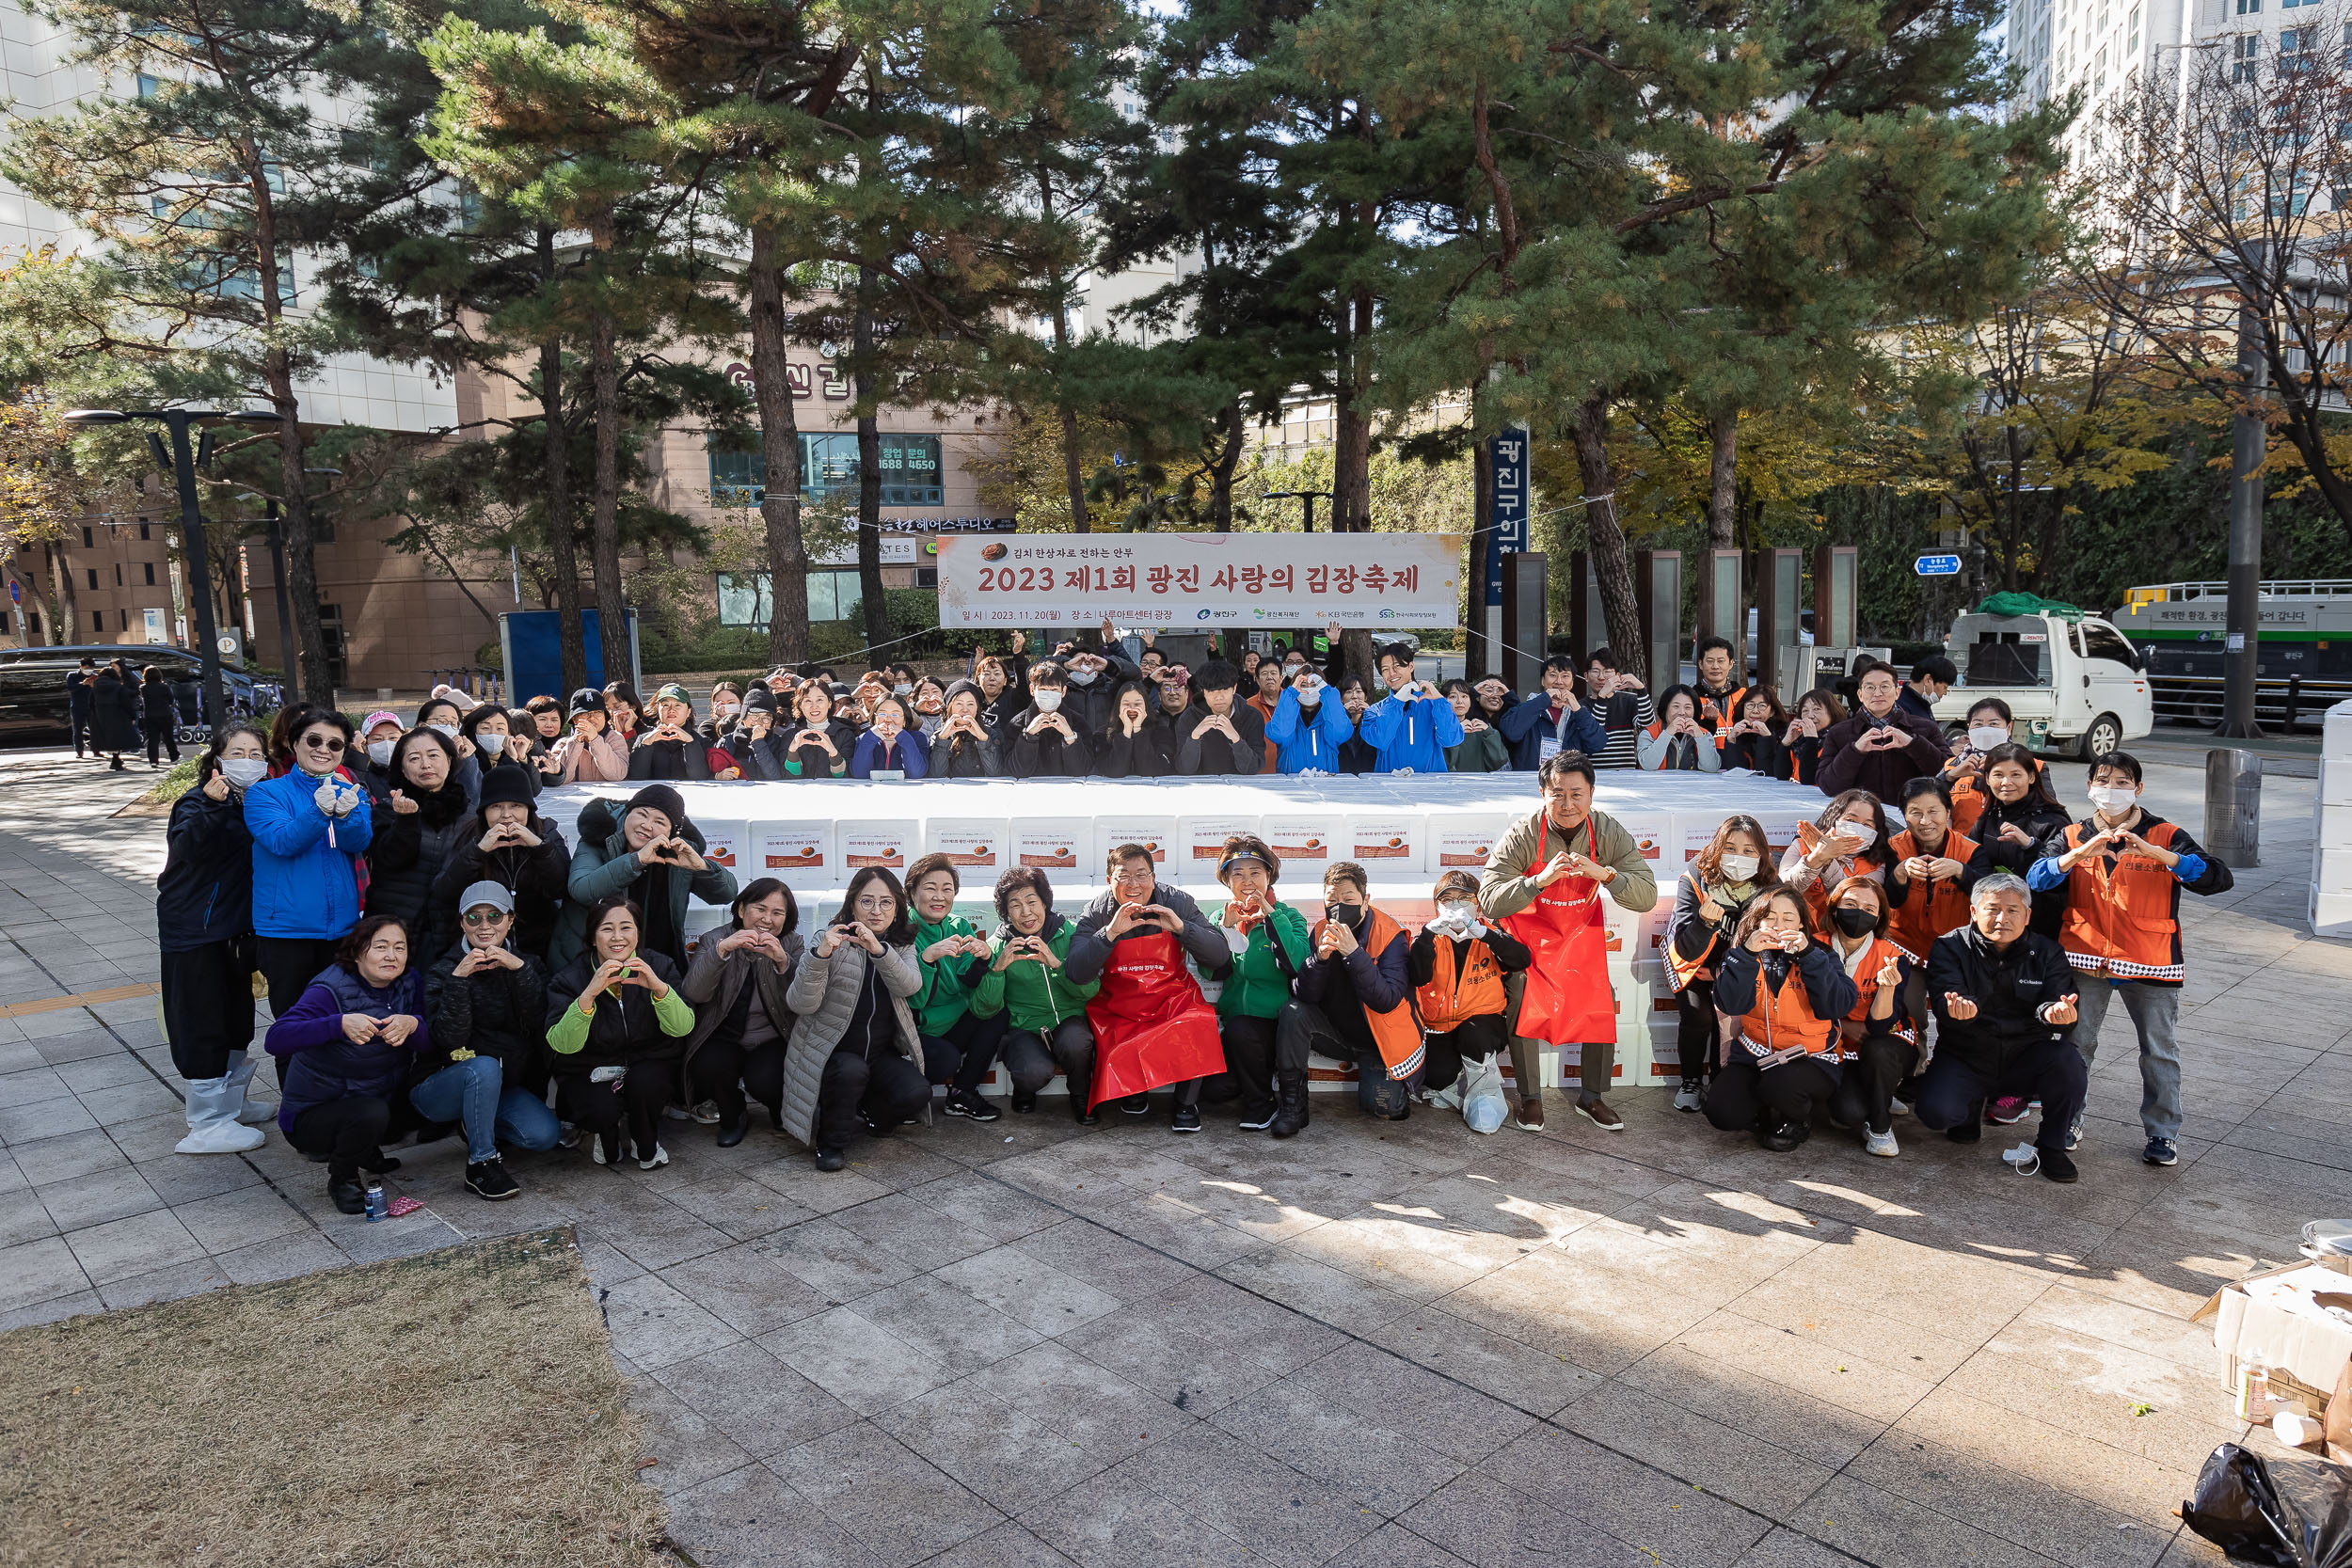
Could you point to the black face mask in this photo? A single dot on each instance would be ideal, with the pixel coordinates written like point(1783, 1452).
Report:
point(1852, 919)
point(1349, 916)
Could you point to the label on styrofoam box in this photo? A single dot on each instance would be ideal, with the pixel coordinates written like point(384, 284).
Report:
point(1314, 839)
point(1387, 844)
point(1154, 834)
point(1048, 846)
point(799, 852)
point(888, 845)
point(1467, 843)
point(723, 843)
point(2330, 913)
point(1204, 840)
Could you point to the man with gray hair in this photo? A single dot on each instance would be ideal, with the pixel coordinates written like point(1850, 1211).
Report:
point(2004, 999)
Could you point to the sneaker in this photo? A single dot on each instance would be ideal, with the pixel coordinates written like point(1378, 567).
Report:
point(1689, 1098)
point(382, 1165)
point(2006, 1110)
point(1881, 1144)
point(1259, 1120)
point(1898, 1107)
point(1964, 1132)
point(1023, 1101)
point(1185, 1118)
point(1780, 1137)
point(2058, 1165)
point(1136, 1105)
point(1531, 1115)
point(658, 1158)
point(972, 1105)
point(2160, 1152)
point(488, 1179)
point(831, 1159)
point(1596, 1110)
point(2074, 1137)
point(706, 1113)
point(605, 1148)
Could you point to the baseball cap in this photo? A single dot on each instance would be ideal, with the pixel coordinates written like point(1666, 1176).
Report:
point(487, 892)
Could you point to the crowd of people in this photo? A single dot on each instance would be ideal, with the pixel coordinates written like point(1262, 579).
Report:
point(1941, 940)
point(116, 707)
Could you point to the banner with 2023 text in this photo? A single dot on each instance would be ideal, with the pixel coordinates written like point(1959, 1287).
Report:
point(1204, 580)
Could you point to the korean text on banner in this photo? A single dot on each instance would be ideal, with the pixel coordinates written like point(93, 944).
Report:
point(1208, 579)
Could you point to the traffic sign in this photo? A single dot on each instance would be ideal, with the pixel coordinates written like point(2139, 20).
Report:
point(16, 592)
point(1937, 565)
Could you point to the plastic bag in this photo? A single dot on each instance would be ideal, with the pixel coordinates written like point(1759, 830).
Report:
point(1483, 1103)
point(2289, 1517)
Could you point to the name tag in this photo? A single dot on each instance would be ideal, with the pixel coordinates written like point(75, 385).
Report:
point(1546, 749)
point(888, 775)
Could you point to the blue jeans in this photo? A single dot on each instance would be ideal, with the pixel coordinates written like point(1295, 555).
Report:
point(469, 1091)
point(2155, 1011)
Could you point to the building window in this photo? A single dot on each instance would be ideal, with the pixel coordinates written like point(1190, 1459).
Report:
point(2248, 55)
point(125, 616)
point(93, 578)
point(2250, 7)
point(89, 544)
point(118, 574)
point(98, 621)
point(910, 471)
point(142, 530)
point(745, 597)
point(151, 573)
point(3, 623)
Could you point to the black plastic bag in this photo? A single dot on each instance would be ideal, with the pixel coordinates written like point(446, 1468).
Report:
point(2295, 1516)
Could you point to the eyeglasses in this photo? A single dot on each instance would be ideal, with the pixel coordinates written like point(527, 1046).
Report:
point(876, 901)
point(484, 916)
point(324, 742)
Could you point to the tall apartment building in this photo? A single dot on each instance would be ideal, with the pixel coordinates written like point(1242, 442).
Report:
point(2105, 47)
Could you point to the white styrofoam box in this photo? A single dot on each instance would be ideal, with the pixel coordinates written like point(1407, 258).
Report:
point(1201, 841)
point(2332, 870)
point(2335, 738)
point(2334, 828)
point(2330, 913)
point(800, 854)
point(1155, 832)
point(977, 847)
point(726, 841)
point(1050, 843)
point(1463, 841)
point(1305, 840)
point(2335, 783)
point(892, 843)
point(1388, 843)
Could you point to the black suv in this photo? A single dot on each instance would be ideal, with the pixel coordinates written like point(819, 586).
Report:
point(33, 709)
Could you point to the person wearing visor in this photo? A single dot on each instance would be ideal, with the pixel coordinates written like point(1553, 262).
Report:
point(1270, 947)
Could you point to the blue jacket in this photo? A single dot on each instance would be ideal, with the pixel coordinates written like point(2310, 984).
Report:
point(1412, 735)
point(1302, 740)
point(205, 893)
point(1527, 726)
point(322, 1064)
point(913, 755)
point(303, 886)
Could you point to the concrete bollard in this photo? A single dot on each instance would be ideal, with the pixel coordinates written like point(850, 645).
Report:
point(2233, 807)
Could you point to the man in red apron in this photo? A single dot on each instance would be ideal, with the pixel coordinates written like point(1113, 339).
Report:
point(1151, 1025)
point(1543, 884)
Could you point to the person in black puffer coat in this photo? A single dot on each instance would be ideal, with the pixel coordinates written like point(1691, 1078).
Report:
point(159, 715)
point(417, 828)
point(509, 844)
point(963, 747)
point(617, 1007)
point(1133, 745)
point(114, 713)
point(489, 1007)
point(204, 928)
point(2021, 812)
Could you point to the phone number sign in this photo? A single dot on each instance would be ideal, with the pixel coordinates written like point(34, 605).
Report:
point(1208, 579)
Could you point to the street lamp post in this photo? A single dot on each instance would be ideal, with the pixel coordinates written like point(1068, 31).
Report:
point(1308, 497)
point(277, 578)
point(178, 421)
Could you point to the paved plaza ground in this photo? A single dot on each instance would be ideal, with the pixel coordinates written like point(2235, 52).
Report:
point(1393, 1344)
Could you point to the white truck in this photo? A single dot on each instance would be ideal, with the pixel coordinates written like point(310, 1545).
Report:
point(2072, 684)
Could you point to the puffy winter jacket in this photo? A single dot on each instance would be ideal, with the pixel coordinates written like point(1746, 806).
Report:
point(497, 1012)
point(909, 753)
point(1305, 737)
point(1412, 735)
point(323, 1063)
point(407, 855)
point(604, 863)
point(1258, 980)
point(205, 893)
point(304, 885)
point(1527, 726)
point(715, 986)
point(823, 998)
point(629, 1027)
point(1035, 997)
point(946, 993)
point(537, 878)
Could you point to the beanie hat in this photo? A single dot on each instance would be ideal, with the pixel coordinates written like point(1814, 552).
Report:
point(762, 698)
point(505, 781)
point(661, 798)
point(586, 699)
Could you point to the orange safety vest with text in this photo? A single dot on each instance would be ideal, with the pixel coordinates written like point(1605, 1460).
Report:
point(1451, 999)
point(2119, 912)
point(1779, 1021)
point(1929, 909)
point(1866, 983)
point(1396, 1031)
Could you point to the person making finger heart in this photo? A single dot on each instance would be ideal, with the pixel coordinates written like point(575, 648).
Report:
point(1150, 1023)
point(654, 857)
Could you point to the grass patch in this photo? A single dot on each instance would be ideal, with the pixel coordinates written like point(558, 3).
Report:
point(458, 1407)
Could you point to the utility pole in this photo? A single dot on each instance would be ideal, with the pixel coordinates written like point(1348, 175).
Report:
point(2242, 649)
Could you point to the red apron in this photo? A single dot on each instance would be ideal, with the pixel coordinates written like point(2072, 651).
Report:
point(1568, 1000)
point(1151, 1025)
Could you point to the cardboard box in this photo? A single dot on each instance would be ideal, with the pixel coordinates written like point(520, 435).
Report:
point(2310, 1350)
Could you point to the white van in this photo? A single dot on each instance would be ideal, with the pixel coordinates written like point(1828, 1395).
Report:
point(2079, 684)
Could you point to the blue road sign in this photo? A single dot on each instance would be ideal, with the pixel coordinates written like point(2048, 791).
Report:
point(1937, 565)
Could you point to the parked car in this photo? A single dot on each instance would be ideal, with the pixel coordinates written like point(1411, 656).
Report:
point(33, 707)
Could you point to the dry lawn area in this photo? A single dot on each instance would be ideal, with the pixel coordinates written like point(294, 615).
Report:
point(457, 1407)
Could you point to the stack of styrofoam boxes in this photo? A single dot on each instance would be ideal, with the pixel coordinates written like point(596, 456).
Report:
point(2331, 846)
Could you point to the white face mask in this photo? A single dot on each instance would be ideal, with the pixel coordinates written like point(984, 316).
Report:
point(725, 710)
point(1457, 912)
point(1863, 830)
point(1310, 692)
point(449, 730)
point(1985, 737)
point(380, 751)
point(1082, 677)
point(904, 689)
point(2113, 799)
point(243, 772)
point(1737, 868)
point(1048, 701)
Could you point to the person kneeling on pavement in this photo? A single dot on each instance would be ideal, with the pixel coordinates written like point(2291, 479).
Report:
point(2004, 998)
point(1026, 983)
point(738, 982)
point(1152, 1027)
point(1356, 997)
point(348, 1044)
point(1270, 946)
point(1786, 991)
point(614, 1020)
point(1880, 1046)
point(488, 1004)
point(959, 1047)
point(854, 1058)
point(1457, 965)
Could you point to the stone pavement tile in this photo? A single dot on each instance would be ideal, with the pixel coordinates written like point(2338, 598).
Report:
point(150, 1134)
point(652, 1231)
point(886, 1494)
point(762, 1406)
point(606, 1264)
point(1511, 1199)
point(1878, 1391)
point(1707, 1386)
point(1330, 1295)
point(690, 1448)
point(1393, 1547)
point(653, 1326)
point(187, 1178)
point(475, 1218)
point(1035, 1295)
point(841, 1264)
point(25, 1218)
point(864, 1367)
point(1006, 1546)
point(1119, 1521)
point(128, 1102)
point(818, 1192)
point(1596, 1311)
point(737, 1205)
point(1675, 1518)
point(1539, 1381)
point(306, 1252)
point(363, 1242)
point(1285, 1514)
point(1170, 1223)
point(1107, 1262)
point(1786, 1548)
point(33, 1272)
point(2188, 1549)
point(946, 1324)
point(1081, 1402)
point(914, 1226)
point(240, 1219)
point(1410, 1248)
point(1986, 1447)
point(65, 1036)
point(743, 1288)
point(1835, 1319)
point(2030, 1514)
point(1244, 1206)
point(1005, 1455)
point(181, 1279)
point(1000, 1212)
point(903, 1160)
point(42, 1119)
point(1482, 1521)
point(753, 1518)
point(138, 1244)
point(1965, 1298)
point(1729, 1461)
point(2037, 1370)
point(55, 1309)
point(31, 1086)
point(1432, 1411)
point(1372, 1467)
point(1203, 1344)
point(16, 1054)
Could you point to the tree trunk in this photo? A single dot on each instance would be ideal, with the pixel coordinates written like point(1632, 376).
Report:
point(1722, 472)
point(1221, 472)
point(869, 583)
point(1356, 649)
point(604, 539)
point(563, 539)
point(780, 444)
point(65, 614)
point(1073, 478)
point(315, 683)
point(1351, 448)
point(1477, 658)
point(1605, 538)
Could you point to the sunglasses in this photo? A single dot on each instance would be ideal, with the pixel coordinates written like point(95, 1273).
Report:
point(484, 916)
point(324, 742)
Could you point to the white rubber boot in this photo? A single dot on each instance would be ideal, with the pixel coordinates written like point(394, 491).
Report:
point(212, 1125)
point(241, 1065)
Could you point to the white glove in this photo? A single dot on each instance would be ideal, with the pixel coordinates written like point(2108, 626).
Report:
point(324, 796)
point(1477, 929)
